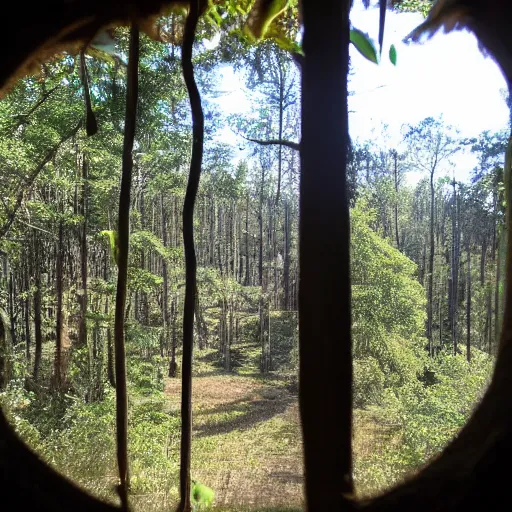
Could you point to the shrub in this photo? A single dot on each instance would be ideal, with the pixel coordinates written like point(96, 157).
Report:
point(368, 382)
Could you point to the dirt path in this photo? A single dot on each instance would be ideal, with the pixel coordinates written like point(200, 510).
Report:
point(246, 440)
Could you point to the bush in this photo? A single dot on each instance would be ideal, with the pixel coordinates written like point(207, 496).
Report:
point(368, 382)
point(427, 416)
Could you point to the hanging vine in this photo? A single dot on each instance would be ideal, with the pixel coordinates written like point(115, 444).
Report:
point(122, 277)
point(91, 125)
point(196, 8)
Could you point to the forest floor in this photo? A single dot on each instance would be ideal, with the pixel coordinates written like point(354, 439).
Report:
point(247, 439)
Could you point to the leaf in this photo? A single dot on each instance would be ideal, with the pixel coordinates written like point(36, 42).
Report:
point(261, 16)
point(202, 496)
point(114, 244)
point(364, 45)
point(283, 41)
point(392, 54)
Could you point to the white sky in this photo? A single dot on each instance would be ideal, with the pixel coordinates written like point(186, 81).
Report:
point(447, 75)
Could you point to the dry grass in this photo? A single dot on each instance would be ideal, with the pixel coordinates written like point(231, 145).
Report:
point(246, 440)
point(371, 435)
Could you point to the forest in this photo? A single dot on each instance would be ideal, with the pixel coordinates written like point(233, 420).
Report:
point(427, 274)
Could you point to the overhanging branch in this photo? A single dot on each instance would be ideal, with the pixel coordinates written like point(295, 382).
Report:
point(276, 142)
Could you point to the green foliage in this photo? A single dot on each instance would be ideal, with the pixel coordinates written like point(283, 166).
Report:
point(364, 45)
point(392, 54)
point(424, 418)
point(202, 497)
point(369, 382)
point(141, 279)
point(421, 6)
point(388, 305)
point(114, 243)
point(261, 16)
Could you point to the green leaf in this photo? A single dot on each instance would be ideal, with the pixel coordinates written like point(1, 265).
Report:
point(114, 243)
point(202, 496)
point(283, 41)
point(261, 16)
point(392, 54)
point(364, 45)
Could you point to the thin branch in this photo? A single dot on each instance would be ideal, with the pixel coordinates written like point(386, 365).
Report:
point(122, 277)
point(27, 185)
point(276, 142)
point(190, 254)
point(23, 118)
point(41, 101)
point(38, 229)
point(382, 23)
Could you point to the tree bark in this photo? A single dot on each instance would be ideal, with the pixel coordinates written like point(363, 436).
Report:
point(468, 306)
point(82, 299)
point(430, 295)
point(165, 274)
point(57, 371)
point(286, 258)
point(190, 255)
point(122, 276)
point(12, 313)
point(325, 391)
point(174, 338)
point(247, 281)
point(38, 337)
point(395, 179)
point(28, 342)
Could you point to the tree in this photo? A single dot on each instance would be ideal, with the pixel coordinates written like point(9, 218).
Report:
point(430, 146)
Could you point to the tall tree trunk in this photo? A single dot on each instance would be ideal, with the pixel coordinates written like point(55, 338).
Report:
point(497, 306)
point(38, 337)
point(12, 314)
point(247, 281)
point(212, 231)
point(219, 241)
point(492, 335)
point(431, 267)
point(325, 391)
point(482, 262)
point(286, 259)
point(229, 337)
point(280, 136)
point(165, 274)
point(26, 268)
point(260, 231)
point(453, 307)
point(190, 255)
point(488, 319)
point(174, 338)
point(468, 306)
point(110, 359)
point(395, 179)
point(110, 347)
point(57, 371)
point(202, 329)
point(82, 326)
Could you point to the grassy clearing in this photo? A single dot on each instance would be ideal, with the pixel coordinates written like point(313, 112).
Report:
point(246, 437)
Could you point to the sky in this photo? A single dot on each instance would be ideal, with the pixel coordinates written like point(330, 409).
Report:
point(446, 75)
